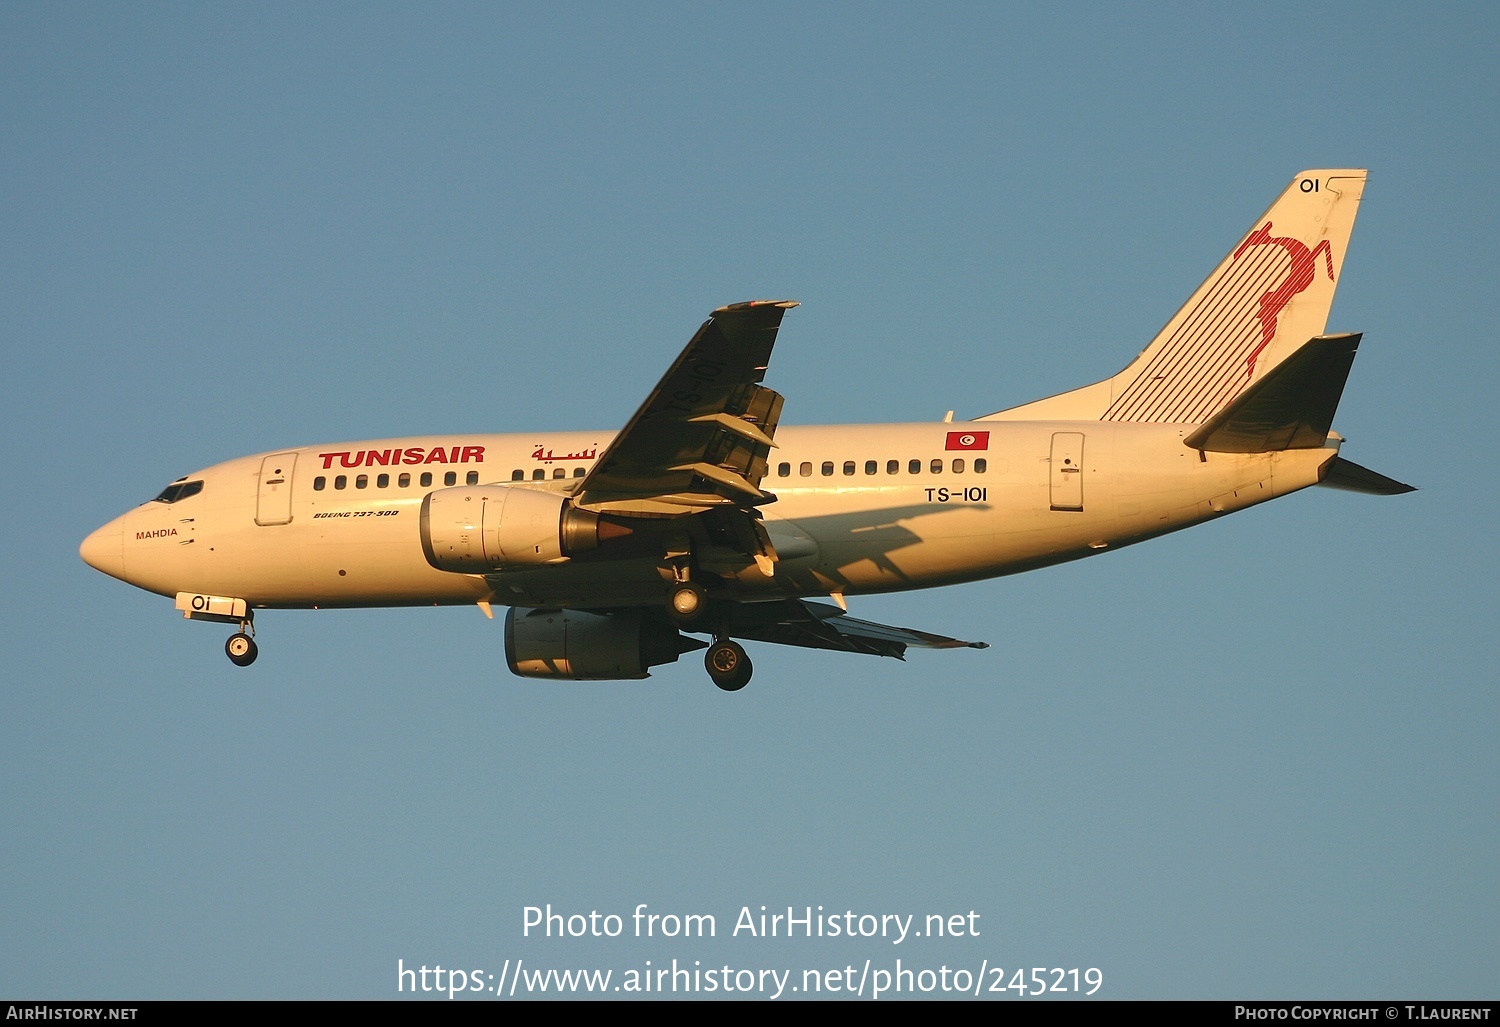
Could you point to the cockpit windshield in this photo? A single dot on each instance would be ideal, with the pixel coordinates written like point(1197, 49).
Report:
point(179, 490)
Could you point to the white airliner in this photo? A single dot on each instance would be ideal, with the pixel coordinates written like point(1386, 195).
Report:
point(703, 516)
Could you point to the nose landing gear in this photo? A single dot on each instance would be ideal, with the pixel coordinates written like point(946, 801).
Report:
point(241, 649)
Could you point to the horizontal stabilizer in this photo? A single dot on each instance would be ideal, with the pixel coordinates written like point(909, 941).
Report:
point(1290, 408)
point(1339, 473)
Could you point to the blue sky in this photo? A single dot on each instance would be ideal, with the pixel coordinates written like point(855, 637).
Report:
point(1257, 759)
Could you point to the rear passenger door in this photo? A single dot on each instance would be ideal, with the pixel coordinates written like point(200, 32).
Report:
point(1067, 470)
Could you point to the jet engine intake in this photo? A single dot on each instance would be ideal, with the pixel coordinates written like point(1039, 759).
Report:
point(579, 646)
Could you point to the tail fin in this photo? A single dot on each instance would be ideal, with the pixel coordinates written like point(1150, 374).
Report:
point(1265, 300)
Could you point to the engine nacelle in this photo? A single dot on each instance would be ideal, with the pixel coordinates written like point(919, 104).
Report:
point(475, 529)
point(590, 646)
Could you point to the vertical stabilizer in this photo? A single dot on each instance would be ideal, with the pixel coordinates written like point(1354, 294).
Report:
point(1267, 298)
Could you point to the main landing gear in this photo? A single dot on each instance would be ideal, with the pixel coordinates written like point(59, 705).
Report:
point(728, 665)
point(687, 604)
point(688, 609)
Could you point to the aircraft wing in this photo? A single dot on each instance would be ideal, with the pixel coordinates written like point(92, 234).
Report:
point(701, 439)
point(820, 626)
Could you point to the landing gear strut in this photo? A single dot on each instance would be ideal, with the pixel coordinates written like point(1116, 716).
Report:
point(241, 649)
point(728, 665)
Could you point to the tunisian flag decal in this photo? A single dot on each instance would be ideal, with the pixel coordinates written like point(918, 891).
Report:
point(968, 440)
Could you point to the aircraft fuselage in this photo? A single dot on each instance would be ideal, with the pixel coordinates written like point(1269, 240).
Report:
point(860, 509)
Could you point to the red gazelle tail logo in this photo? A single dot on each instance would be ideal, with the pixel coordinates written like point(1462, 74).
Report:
point(1299, 277)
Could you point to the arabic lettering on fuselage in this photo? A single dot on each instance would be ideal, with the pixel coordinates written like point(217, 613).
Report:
point(546, 455)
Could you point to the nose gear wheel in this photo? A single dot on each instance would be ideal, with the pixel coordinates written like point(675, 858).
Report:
point(241, 649)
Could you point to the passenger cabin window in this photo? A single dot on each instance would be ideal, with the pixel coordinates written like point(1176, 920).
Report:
point(472, 478)
point(893, 467)
point(451, 478)
point(538, 474)
point(178, 491)
point(827, 468)
point(404, 481)
point(805, 469)
point(937, 465)
point(848, 466)
point(383, 481)
point(871, 466)
point(341, 482)
point(559, 472)
point(320, 483)
point(578, 472)
point(915, 467)
point(981, 465)
point(518, 475)
point(425, 481)
point(958, 465)
point(362, 482)
point(783, 470)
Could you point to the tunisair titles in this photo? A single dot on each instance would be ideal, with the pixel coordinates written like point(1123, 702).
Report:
point(398, 456)
point(435, 455)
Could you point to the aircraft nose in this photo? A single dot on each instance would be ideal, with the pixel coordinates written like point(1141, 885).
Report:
point(104, 550)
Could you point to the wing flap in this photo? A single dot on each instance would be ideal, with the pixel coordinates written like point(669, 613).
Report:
point(736, 484)
point(820, 626)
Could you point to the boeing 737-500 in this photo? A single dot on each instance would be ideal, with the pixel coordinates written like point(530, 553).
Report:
point(704, 516)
